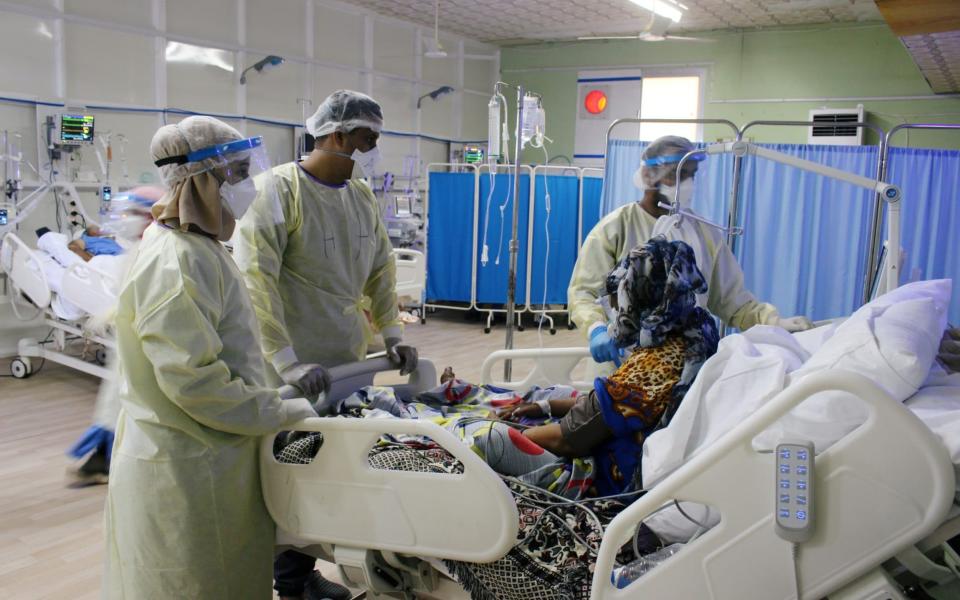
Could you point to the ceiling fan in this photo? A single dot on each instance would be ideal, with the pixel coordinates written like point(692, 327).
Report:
point(655, 31)
point(433, 48)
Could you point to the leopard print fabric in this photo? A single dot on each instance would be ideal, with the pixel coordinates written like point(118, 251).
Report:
point(643, 386)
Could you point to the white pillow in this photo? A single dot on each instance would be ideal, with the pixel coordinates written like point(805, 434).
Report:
point(892, 341)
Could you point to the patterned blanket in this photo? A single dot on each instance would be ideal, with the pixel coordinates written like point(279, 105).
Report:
point(557, 540)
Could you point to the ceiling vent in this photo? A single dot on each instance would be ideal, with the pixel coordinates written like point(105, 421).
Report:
point(836, 126)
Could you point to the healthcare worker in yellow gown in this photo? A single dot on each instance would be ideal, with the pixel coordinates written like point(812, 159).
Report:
point(185, 515)
point(635, 223)
point(316, 267)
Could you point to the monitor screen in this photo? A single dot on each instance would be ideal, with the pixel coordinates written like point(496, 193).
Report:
point(472, 154)
point(76, 129)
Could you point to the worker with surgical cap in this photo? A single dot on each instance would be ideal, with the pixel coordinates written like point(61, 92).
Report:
point(185, 515)
point(635, 223)
point(315, 271)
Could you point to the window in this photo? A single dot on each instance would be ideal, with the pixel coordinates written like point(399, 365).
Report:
point(670, 97)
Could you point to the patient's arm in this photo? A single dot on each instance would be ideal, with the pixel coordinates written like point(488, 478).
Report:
point(80, 249)
point(558, 408)
point(550, 438)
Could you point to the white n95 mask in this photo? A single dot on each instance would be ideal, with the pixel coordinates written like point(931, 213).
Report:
point(238, 196)
point(686, 193)
point(368, 161)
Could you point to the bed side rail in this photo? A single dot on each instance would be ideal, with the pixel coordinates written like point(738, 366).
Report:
point(25, 270)
point(553, 366)
point(91, 290)
point(881, 488)
point(340, 499)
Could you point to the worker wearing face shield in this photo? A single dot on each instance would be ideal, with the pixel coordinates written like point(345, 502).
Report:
point(635, 223)
point(185, 515)
point(314, 273)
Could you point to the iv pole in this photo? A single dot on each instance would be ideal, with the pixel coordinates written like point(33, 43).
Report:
point(514, 243)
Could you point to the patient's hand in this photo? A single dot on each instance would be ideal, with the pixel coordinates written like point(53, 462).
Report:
point(515, 412)
point(949, 353)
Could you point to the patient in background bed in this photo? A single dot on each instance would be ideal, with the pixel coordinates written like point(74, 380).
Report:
point(653, 291)
point(949, 353)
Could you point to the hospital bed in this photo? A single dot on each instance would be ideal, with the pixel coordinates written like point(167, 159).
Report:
point(87, 290)
point(884, 508)
point(411, 277)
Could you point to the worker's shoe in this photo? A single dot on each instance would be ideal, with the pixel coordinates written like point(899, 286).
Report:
point(320, 588)
point(95, 471)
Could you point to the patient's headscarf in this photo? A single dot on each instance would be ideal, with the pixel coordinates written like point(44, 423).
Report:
point(655, 288)
point(193, 199)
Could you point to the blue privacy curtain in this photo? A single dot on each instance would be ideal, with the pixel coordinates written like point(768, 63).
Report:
point(590, 209)
point(449, 237)
point(711, 197)
point(564, 197)
point(492, 279)
point(930, 214)
point(805, 238)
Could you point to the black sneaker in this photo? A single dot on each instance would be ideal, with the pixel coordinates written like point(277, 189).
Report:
point(95, 471)
point(319, 588)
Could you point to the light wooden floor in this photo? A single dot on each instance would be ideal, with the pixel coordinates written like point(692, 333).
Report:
point(51, 536)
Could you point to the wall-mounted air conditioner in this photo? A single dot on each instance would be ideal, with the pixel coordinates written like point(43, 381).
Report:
point(835, 126)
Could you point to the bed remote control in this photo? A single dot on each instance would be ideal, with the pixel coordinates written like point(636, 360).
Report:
point(794, 479)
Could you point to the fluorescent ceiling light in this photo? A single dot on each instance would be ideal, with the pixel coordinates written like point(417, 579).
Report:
point(199, 55)
point(662, 8)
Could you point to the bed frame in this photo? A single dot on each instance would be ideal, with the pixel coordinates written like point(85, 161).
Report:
point(84, 286)
point(876, 500)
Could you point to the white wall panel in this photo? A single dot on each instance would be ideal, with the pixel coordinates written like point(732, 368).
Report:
point(393, 48)
point(274, 93)
point(398, 102)
point(326, 81)
point(474, 117)
point(479, 75)
point(109, 66)
point(214, 20)
point(127, 12)
point(276, 27)
point(200, 79)
point(26, 44)
point(338, 36)
point(436, 116)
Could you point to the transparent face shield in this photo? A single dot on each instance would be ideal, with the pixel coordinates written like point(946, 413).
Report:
point(244, 170)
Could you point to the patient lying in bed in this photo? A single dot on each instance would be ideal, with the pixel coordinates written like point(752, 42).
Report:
point(56, 257)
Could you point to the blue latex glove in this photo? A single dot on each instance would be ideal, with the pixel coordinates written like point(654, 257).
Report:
point(602, 348)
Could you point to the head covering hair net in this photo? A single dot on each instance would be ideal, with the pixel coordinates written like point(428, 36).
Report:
point(659, 159)
point(345, 110)
point(193, 197)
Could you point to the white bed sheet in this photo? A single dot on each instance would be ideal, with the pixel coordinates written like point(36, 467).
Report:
point(55, 258)
point(892, 341)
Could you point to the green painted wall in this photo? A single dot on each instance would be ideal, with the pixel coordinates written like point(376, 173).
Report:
point(857, 61)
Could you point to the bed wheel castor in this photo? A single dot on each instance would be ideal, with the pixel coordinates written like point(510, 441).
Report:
point(101, 356)
point(21, 368)
point(553, 331)
point(486, 330)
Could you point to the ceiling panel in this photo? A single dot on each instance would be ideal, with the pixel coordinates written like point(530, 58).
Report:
point(500, 21)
